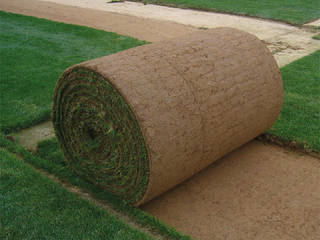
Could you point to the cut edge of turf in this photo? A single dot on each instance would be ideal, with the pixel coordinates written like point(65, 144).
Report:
point(215, 10)
point(288, 144)
point(138, 216)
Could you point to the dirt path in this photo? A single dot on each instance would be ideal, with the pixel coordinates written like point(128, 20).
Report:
point(288, 43)
point(315, 23)
point(156, 23)
point(143, 29)
point(257, 192)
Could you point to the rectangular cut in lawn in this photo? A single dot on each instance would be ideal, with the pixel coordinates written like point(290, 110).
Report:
point(34, 52)
point(291, 11)
point(34, 207)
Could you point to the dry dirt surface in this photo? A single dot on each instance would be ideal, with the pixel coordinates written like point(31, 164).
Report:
point(259, 191)
point(143, 29)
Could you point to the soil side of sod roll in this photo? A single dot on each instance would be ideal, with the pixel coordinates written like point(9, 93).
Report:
point(141, 121)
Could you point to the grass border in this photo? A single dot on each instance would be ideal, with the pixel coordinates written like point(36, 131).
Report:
point(291, 145)
point(214, 10)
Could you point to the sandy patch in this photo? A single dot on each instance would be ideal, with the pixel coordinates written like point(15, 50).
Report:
point(30, 137)
point(315, 23)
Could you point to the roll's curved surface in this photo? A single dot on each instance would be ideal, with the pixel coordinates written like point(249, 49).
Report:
point(143, 120)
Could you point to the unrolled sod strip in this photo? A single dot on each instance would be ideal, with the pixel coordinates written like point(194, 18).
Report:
point(141, 121)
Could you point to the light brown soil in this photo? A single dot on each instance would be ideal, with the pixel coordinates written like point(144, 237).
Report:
point(315, 23)
point(257, 192)
point(143, 29)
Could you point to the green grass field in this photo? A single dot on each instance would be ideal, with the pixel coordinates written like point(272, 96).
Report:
point(34, 52)
point(34, 207)
point(300, 115)
point(291, 11)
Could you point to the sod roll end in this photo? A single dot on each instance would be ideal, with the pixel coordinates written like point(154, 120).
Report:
point(141, 121)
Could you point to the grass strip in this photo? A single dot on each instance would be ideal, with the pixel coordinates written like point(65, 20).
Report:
point(290, 11)
point(34, 207)
point(50, 158)
point(34, 52)
point(299, 120)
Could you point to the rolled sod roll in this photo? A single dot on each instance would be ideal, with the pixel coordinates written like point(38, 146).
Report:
point(141, 121)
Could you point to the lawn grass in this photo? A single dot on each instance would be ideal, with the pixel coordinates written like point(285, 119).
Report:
point(291, 11)
point(34, 52)
point(34, 207)
point(49, 158)
point(299, 120)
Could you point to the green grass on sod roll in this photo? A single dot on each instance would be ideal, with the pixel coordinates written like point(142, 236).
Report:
point(99, 134)
point(34, 52)
point(34, 207)
point(299, 119)
point(291, 11)
point(49, 158)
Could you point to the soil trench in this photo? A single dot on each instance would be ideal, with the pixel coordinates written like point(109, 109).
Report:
point(259, 191)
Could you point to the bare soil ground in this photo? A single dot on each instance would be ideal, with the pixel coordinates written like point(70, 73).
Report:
point(143, 29)
point(259, 191)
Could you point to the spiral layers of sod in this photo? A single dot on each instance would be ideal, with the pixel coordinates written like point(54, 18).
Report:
point(99, 134)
